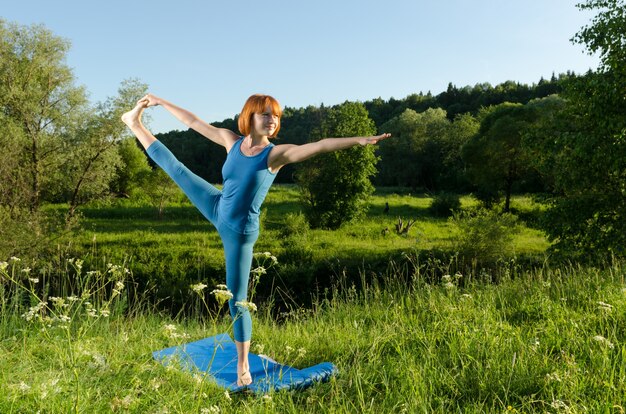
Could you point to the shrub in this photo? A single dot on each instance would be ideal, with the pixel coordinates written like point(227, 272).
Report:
point(445, 204)
point(294, 236)
point(485, 236)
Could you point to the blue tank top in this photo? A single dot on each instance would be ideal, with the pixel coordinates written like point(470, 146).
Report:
point(246, 183)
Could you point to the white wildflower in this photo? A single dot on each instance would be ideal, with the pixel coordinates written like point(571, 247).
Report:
point(15, 259)
point(22, 386)
point(198, 287)
point(466, 296)
point(267, 398)
point(117, 290)
point(26, 270)
point(603, 341)
point(58, 302)
point(301, 352)
point(559, 405)
point(3, 266)
point(288, 349)
point(227, 395)
point(246, 305)
point(259, 271)
point(446, 278)
point(223, 287)
point(156, 383)
point(64, 319)
point(34, 280)
point(222, 295)
point(105, 312)
point(72, 299)
point(91, 312)
point(553, 377)
point(214, 409)
point(449, 285)
point(34, 310)
point(171, 332)
point(98, 361)
point(605, 306)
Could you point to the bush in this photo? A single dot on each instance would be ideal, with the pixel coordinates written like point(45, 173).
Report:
point(485, 236)
point(445, 204)
point(294, 236)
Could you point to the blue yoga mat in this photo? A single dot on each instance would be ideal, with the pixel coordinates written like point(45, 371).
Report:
point(217, 355)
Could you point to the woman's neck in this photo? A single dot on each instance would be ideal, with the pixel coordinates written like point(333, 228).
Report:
point(257, 140)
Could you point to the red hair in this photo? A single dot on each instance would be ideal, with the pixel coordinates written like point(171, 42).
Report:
point(257, 104)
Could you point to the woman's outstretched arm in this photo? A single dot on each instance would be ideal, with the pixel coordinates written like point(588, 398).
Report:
point(222, 136)
point(285, 154)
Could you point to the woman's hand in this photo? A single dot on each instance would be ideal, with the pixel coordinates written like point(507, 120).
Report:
point(150, 100)
point(374, 140)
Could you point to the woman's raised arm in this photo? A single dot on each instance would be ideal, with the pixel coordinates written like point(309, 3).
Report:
point(221, 136)
point(285, 154)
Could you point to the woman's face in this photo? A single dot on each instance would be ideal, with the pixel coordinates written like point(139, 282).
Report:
point(265, 123)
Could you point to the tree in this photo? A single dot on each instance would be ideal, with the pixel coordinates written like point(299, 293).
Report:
point(588, 217)
point(133, 169)
point(39, 108)
point(336, 186)
point(495, 157)
point(93, 164)
point(425, 149)
point(61, 149)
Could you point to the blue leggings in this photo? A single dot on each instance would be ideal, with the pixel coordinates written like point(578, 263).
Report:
point(237, 247)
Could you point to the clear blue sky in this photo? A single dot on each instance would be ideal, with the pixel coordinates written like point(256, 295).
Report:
point(209, 56)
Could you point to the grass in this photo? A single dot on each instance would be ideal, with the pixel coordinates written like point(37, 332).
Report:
point(551, 340)
point(407, 335)
point(182, 247)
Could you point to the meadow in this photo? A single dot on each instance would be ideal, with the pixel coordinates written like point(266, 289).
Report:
point(416, 335)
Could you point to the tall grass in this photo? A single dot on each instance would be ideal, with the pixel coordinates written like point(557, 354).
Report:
point(548, 340)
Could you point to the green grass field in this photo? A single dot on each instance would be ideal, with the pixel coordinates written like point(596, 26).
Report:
point(547, 338)
point(548, 341)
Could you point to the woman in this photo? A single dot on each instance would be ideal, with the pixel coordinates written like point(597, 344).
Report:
point(251, 165)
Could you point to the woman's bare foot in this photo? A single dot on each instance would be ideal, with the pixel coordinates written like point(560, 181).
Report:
point(243, 375)
point(133, 116)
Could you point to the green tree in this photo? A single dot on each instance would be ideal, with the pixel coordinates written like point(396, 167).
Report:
point(93, 164)
point(588, 217)
point(39, 108)
point(133, 170)
point(336, 186)
point(61, 149)
point(425, 151)
point(495, 157)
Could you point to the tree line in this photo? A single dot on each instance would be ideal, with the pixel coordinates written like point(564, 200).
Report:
point(429, 121)
point(562, 138)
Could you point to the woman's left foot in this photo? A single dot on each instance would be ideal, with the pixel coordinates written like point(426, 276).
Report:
point(243, 376)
